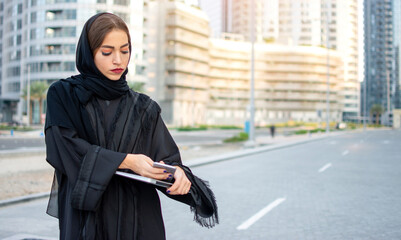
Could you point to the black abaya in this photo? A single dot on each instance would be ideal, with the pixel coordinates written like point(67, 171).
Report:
point(93, 202)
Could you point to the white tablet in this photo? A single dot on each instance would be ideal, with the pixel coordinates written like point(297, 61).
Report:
point(145, 179)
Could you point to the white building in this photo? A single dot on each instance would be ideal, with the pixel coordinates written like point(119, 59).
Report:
point(38, 43)
point(304, 23)
point(201, 80)
point(219, 13)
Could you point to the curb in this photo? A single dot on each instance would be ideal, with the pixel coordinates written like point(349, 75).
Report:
point(247, 152)
point(195, 163)
point(26, 198)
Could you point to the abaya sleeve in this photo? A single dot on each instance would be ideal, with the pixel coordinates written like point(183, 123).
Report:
point(87, 168)
point(201, 198)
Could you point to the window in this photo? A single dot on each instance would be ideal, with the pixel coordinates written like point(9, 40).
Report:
point(69, 49)
point(122, 2)
point(56, 32)
point(19, 24)
point(69, 66)
point(13, 87)
point(33, 17)
point(33, 34)
point(52, 15)
point(59, 1)
point(52, 49)
point(13, 71)
point(123, 16)
point(11, 41)
point(19, 9)
point(19, 40)
point(11, 26)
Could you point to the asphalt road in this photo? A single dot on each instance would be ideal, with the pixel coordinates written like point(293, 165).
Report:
point(343, 187)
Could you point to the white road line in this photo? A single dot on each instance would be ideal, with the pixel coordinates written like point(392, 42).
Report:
point(245, 225)
point(345, 152)
point(324, 167)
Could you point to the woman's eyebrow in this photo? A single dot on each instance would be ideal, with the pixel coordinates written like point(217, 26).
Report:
point(108, 46)
point(125, 45)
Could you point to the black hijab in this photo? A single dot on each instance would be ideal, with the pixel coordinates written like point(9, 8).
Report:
point(69, 96)
point(91, 78)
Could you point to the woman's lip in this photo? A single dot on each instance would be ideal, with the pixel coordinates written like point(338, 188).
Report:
point(117, 70)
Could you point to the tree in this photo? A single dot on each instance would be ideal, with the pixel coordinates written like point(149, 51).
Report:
point(376, 110)
point(137, 86)
point(38, 92)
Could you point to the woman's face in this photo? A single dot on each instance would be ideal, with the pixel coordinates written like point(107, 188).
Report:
point(112, 57)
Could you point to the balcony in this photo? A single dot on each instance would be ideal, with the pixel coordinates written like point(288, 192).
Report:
point(188, 67)
point(191, 53)
point(199, 42)
point(174, 21)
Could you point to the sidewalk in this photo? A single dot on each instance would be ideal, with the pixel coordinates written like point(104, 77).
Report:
point(28, 176)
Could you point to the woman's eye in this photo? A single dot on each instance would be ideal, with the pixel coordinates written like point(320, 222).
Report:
point(106, 53)
point(125, 50)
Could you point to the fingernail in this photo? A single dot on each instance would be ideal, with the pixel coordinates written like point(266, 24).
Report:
point(170, 176)
point(165, 171)
point(168, 191)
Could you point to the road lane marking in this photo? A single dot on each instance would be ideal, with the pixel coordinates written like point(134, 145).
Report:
point(324, 167)
point(245, 225)
point(345, 152)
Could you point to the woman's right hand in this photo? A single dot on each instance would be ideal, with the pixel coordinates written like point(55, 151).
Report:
point(143, 165)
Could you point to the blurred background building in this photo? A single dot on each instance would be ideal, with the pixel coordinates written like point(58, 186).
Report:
point(38, 40)
point(193, 56)
point(290, 83)
point(304, 23)
point(382, 59)
point(203, 80)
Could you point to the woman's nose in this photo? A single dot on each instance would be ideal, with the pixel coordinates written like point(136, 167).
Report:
point(117, 59)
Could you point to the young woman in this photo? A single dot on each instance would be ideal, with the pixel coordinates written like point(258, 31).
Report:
point(96, 125)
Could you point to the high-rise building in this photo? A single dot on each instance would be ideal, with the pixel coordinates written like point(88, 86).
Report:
point(38, 40)
point(218, 12)
point(381, 64)
point(397, 51)
point(329, 23)
point(242, 22)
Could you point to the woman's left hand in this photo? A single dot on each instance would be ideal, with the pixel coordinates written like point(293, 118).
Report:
point(181, 185)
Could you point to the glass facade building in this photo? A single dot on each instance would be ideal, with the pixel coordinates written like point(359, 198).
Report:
point(381, 81)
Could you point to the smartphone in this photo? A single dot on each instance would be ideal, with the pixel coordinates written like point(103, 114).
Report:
point(168, 168)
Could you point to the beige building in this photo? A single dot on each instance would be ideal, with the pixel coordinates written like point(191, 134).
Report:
point(198, 80)
point(290, 83)
point(304, 23)
point(178, 61)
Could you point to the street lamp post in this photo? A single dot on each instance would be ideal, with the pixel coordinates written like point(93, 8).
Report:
point(328, 67)
point(252, 87)
point(28, 96)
